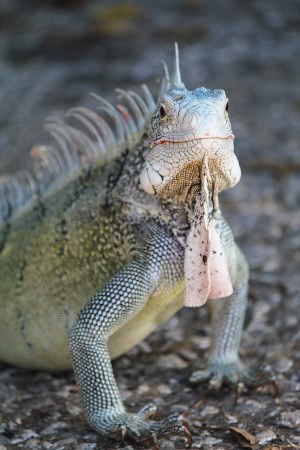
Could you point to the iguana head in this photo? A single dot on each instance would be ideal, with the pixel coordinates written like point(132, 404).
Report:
point(191, 157)
point(186, 127)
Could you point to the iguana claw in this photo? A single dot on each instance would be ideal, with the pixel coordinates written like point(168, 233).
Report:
point(147, 412)
point(122, 434)
point(122, 424)
point(187, 433)
point(154, 441)
point(236, 375)
point(231, 374)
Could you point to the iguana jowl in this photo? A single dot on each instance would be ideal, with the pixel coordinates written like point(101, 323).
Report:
point(96, 243)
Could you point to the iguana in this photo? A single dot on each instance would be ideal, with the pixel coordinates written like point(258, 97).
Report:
point(117, 226)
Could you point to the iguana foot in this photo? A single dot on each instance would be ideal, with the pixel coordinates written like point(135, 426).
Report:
point(232, 374)
point(121, 425)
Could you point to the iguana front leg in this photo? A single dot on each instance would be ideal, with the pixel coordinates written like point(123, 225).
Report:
point(158, 261)
point(224, 364)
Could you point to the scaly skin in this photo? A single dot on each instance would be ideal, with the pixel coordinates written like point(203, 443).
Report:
point(101, 261)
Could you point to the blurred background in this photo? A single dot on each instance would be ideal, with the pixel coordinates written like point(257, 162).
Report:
point(53, 53)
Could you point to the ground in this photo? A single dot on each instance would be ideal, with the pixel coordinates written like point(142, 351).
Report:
point(52, 54)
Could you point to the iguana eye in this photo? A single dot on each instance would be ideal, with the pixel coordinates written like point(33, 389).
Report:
point(227, 107)
point(162, 112)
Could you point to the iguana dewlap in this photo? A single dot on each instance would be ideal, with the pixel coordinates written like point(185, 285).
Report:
point(205, 266)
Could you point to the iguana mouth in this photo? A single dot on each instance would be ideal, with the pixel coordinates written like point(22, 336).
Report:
point(166, 141)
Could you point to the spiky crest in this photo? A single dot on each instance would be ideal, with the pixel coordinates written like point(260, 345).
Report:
point(174, 81)
point(102, 137)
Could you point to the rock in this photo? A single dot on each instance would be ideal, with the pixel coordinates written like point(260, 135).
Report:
point(197, 444)
point(188, 354)
point(31, 443)
point(86, 446)
point(27, 434)
point(4, 440)
point(164, 389)
point(65, 442)
point(143, 389)
point(231, 419)
point(266, 436)
point(172, 361)
point(290, 419)
point(52, 429)
point(74, 410)
point(211, 441)
point(209, 411)
point(164, 443)
point(16, 441)
point(283, 365)
point(253, 406)
point(201, 342)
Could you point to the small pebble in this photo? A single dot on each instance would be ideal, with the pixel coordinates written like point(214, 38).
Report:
point(201, 342)
point(265, 436)
point(212, 441)
point(283, 365)
point(143, 389)
point(164, 443)
point(15, 441)
point(290, 419)
point(197, 444)
point(51, 429)
point(231, 419)
point(65, 442)
point(254, 406)
point(172, 362)
point(188, 354)
point(163, 389)
point(74, 410)
point(209, 411)
point(85, 446)
point(31, 443)
point(4, 440)
point(27, 434)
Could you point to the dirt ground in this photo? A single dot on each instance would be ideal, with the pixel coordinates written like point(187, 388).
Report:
point(52, 55)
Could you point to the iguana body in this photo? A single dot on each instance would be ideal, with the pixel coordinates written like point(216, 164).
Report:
point(100, 257)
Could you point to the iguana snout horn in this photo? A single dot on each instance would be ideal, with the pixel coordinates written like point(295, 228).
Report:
point(176, 76)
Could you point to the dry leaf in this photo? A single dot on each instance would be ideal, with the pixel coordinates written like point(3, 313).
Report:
point(273, 447)
point(245, 439)
point(294, 445)
point(282, 447)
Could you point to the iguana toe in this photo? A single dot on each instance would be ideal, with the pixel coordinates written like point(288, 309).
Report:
point(147, 412)
point(134, 426)
point(231, 374)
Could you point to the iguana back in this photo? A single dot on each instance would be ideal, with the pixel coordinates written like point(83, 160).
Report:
point(59, 248)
